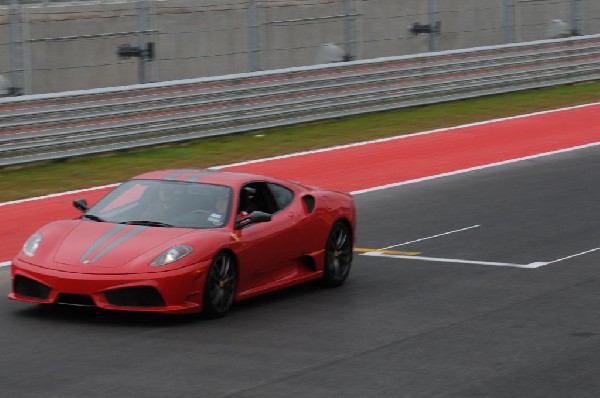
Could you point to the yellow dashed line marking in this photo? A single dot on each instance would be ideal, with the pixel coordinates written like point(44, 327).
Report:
point(364, 250)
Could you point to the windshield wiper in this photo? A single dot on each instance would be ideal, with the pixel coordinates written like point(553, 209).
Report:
point(92, 217)
point(148, 223)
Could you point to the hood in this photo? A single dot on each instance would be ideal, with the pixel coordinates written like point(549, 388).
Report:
point(98, 247)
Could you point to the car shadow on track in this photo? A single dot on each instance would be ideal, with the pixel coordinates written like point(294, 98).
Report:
point(277, 297)
point(96, 316)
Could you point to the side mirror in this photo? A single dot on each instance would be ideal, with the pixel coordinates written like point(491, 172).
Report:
point(81, 205)
point(259, 216)
point(254, 218)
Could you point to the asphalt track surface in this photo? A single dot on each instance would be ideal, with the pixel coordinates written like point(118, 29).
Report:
point(466, 317)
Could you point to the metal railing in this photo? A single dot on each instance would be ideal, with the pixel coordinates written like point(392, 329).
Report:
point(55, 126)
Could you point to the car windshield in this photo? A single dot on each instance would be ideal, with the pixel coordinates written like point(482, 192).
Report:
point(165, 204)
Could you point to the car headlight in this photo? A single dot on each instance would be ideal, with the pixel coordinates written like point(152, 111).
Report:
point(32, 244)
point(173, 254)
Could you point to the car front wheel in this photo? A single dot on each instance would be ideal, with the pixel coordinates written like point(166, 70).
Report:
point(219, 290)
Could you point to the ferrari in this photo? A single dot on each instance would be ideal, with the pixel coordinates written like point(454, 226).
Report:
point(184, 241)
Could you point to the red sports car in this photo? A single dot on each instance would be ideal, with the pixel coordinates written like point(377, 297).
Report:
point(180, 241)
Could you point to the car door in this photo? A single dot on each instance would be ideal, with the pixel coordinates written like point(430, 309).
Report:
point(267, 249)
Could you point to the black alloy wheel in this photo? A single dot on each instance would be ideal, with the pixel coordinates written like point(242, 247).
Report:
point(219, 290)
point(338, 254)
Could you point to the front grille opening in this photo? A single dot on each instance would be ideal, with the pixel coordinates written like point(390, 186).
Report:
point(138, 296)
point(80, 300)
point(29, 288)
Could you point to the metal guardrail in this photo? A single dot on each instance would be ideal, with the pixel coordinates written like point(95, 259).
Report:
point(55, 126)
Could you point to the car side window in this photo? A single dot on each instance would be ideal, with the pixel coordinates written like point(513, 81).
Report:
point(283, 196)
point(256, 196)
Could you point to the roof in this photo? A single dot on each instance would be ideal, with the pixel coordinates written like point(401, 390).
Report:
point(203, 175)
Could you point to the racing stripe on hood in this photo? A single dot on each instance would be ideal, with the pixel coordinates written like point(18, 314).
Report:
point(117, 242)
point(111, 232)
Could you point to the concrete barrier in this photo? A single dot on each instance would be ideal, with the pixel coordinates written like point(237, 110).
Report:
point(64, 46)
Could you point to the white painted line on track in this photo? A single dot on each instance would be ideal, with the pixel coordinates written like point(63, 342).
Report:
point(455, 260)
point(452, 173)
point(431, 237)
point(574, 255)
point(5, 264)
point(56, 195)
point(404, 136)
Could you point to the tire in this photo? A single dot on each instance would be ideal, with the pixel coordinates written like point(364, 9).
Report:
point(338, 255)
point(219, 289)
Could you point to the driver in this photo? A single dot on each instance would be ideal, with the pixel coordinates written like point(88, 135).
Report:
point(221, 205)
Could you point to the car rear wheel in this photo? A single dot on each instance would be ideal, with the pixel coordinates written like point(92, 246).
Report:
point(338, 254)
point(219, 290)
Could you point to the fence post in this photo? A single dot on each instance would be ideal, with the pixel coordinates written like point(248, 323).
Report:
point(252, 37)
point(15, 49)
point(433, 39)
point(575, 18)
point(26, 50)
point(154, 23)
point(509, 21)
point(349, 30)
point(142, 27)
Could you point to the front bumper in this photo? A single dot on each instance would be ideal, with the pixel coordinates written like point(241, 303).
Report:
point(175, 291)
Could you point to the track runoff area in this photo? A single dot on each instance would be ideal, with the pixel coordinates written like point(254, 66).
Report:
point(374, 165)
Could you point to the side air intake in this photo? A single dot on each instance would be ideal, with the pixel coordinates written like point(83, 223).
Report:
point(309, 202)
